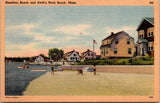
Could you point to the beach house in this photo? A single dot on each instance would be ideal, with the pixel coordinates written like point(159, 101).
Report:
point(117, 45)
point(145, 43)
point(88, 54)
point(72, 56)
point(39, 59)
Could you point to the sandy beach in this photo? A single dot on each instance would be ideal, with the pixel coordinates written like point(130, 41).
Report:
point(69, 83)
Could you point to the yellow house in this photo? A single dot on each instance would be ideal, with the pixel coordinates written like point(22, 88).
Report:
point(118, 45)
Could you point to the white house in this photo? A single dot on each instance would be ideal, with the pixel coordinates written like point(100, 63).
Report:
point(88, 55)
point(39, 60)
point(72, 56)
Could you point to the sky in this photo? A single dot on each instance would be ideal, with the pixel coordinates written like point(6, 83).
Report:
point(31, 30)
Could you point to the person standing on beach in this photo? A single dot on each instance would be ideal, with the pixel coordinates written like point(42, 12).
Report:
point(52, 69)
point(94, 69)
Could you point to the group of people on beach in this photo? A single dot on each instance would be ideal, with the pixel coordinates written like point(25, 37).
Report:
point(80, 71)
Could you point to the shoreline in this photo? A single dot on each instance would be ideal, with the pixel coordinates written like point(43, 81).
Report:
point(17, 80)
point(81, 65)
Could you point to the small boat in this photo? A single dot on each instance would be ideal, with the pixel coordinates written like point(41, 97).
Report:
point(24, 66)
point(20, 67)
point(44, 69)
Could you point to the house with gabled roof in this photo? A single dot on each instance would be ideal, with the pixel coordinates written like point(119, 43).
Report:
point(72, 56)
point(117, 45)
point(39, 59)
point(88, 54)
point(145, 43)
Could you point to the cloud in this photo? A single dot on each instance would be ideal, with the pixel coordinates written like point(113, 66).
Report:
point(23, 34)
point(123, 28)
point(21, 40)
point(25, 27)
point(73, 29)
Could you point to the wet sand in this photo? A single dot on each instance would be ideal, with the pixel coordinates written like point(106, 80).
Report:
point(69, 83)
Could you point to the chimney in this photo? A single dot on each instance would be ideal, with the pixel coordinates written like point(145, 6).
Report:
point(112, 33)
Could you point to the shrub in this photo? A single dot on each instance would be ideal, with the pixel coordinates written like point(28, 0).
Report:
point(142, 61)
point(122, 62)
point(134, 55)
point(134, 61)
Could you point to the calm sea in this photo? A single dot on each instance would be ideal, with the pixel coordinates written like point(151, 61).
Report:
point(16, 80)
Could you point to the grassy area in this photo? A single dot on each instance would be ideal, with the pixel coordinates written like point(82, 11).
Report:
point(69, 83)
point(133, 61)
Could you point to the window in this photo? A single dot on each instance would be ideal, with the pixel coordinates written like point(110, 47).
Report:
point(150, 32)
point(88, 54)
point(116, 41)
point(141, 32)
point(128, 41)
point(141, 36)
point(115, 50)
point(102, 51)
point(74, 54)
point(106, 50)
point(107, 41)
point(150, 46)
point(129, 51)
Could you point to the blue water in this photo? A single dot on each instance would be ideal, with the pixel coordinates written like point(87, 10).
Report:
point(16, 80)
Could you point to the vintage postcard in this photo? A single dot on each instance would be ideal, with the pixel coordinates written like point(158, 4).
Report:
point(79, 50)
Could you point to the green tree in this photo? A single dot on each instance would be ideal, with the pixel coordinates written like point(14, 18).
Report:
point(55, 53)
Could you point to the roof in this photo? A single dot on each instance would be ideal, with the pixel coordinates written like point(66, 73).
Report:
point(70, 53)
point(105, 45)
point(39, 56)
point(88, 50)
point(149, 19)
point(142, 40)
point(114, 37)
